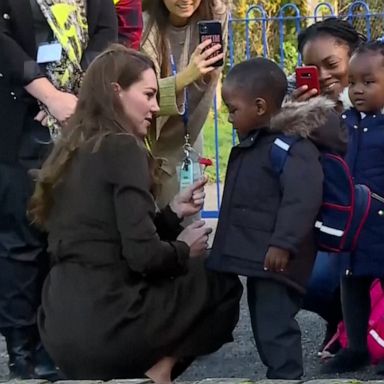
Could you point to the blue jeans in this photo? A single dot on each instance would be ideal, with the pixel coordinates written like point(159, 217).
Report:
point(323, 290)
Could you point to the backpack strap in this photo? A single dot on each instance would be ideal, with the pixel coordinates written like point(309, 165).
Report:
point(280, 150)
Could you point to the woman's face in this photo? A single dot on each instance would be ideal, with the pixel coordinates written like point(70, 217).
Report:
point(331, 58)
point(180, 11)
point(140, 103)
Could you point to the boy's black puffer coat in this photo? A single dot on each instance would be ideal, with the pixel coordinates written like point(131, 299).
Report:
point(262, 209)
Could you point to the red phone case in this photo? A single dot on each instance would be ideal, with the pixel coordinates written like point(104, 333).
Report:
point(309, 76)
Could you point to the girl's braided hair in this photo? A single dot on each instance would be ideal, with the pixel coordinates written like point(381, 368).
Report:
point(376, 46)
point(336, 27)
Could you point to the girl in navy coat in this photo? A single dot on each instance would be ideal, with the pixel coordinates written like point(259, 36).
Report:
point(365, 156)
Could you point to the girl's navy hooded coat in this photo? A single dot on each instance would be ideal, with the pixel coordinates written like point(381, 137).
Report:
point(365, 158)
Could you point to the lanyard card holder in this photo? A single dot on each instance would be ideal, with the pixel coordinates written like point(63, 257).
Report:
point(190, 169)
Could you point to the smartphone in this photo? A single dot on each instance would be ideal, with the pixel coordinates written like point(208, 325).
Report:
point(211, 30)
point(309, 76)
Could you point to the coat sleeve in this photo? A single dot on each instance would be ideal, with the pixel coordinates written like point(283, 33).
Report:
point(168, 224)
point(22, 68)
point(128, 173)
point(104, 34)
point(302, 190)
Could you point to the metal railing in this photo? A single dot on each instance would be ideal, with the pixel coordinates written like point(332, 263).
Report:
point(261, 35)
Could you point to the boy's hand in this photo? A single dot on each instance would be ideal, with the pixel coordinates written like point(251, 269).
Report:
point(276, 259)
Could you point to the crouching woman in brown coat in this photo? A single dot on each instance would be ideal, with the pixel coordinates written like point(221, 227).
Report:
point(127, 294)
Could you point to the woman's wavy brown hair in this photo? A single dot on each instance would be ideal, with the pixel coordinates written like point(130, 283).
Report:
point(98, 113)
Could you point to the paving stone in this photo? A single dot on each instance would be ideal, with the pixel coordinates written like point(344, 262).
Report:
point(221, 381)
point(204, 381)
point(129, 381)
point(374, 382)
point(335, 381)
point(79, 382)
point(279, 381)
point(18, 381)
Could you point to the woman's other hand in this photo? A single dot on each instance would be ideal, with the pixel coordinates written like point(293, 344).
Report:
point(62, 105)
point(199, 65)
point(303, 93)
point(42, 118)
point(196, 237)
point(189, 201)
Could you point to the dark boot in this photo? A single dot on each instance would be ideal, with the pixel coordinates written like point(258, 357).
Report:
point(44, 367)
point(19, 347)
point(346, 360)
point(379, 370)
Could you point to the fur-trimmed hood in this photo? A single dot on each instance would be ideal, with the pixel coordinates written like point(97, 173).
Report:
point(315, 119)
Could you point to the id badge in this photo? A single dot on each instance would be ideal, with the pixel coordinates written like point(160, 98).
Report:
point(49, 52)
point(186, 174)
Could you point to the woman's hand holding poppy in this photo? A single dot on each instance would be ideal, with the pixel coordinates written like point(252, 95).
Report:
point(189, 201)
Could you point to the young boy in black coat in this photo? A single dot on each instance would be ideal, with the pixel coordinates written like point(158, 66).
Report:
point(266, 224)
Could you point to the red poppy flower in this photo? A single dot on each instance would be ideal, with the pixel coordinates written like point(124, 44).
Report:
point(206, 162)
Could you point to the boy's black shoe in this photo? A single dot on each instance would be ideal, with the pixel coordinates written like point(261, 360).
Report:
point(346, 360)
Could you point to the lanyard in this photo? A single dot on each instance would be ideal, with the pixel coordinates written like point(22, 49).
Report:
point(185, 115)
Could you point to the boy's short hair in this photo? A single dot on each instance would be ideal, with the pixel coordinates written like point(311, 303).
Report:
point(259, 77)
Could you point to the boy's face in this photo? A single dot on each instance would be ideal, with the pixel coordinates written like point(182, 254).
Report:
point(245, 113)
point(366, 81)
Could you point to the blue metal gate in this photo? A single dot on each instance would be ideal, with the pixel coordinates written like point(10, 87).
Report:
point(246, 33)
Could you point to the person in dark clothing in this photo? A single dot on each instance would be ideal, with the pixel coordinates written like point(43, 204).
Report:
point(266, 223)
point(33, 92)
point(128, 294)
point(365, 157)
point(327, 44)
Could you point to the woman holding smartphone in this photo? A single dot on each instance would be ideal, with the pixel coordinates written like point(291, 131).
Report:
point(327, 45)
point(188, 78)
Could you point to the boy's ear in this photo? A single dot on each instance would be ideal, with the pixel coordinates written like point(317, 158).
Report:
point(261, 106)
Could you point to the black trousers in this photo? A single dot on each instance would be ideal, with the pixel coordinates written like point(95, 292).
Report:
point(23, 258)
point(273, 307)
point(356, 304)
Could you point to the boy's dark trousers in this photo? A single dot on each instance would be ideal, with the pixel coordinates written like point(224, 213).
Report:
point(273, 307)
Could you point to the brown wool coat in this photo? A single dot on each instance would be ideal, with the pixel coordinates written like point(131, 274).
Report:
point(122, 293)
